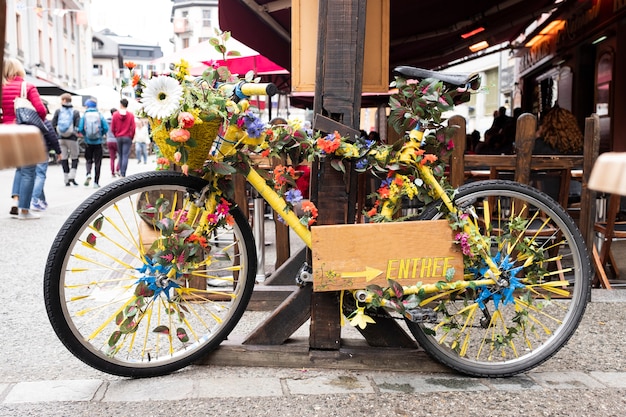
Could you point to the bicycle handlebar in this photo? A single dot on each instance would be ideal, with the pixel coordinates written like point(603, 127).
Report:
point(244, 90)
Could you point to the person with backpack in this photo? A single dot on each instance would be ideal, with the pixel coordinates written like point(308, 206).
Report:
point(93, 127)
point(65, 122)
point(123, 127)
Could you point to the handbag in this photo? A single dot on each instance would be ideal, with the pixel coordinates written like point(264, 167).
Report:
point(25, 113)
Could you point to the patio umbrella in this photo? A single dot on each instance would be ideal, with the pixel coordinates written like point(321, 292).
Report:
point(255, 62)
point(203, 54)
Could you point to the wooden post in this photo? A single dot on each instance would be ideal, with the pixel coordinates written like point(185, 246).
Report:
point(524, 142)
point(457, 165)
point(588, 197)
point(338, 88)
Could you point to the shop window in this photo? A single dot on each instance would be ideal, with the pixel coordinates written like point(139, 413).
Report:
point(604, 78)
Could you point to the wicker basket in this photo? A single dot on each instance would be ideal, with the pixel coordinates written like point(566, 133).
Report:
point(203, 133)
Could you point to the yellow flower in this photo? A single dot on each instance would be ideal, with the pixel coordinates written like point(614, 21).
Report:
point(380, 155)
point(416, 135)
point(232, 107)
point(359, 318)
point(295, 123)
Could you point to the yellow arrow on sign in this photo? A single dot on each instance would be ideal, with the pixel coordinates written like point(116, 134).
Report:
point(369, 274)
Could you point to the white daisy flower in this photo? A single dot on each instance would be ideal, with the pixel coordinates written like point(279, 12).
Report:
point(161, 97)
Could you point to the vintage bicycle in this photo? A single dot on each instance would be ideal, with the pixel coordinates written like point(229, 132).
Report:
point(153, 271)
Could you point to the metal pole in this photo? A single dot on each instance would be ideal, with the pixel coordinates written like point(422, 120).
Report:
point(259, 235)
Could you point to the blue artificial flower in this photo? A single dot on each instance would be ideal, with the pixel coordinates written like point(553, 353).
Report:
point(387, 182)
point(254, 125)
point(293, 196)
point(361, 163)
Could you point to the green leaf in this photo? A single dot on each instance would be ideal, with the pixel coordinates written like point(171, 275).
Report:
point(181, 334)
point(131, 311)
point(161, 329)
point(91, 239)
point(114, 338)
point(338, 165)
point(119, 318)
point(97, 224)
point(396, 287)
point(142, 289)
point(129, 325)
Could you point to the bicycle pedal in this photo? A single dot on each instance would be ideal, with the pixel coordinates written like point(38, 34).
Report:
point(304, 275)
point(422, 315)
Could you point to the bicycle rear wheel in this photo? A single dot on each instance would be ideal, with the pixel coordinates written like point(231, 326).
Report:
point(118, 313)
point(505, 329)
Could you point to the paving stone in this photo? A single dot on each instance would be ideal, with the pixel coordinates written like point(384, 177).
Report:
point(149, 389)
point(342, 384)
point(237, 387)
point(62, 390)
point(427, 383)
point(565, 380)
point(611, 379)
point(514, 383)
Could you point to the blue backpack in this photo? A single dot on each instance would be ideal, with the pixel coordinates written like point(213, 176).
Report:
point(92, 127)
point(65, 122)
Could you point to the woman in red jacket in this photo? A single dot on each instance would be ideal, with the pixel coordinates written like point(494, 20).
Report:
point(12, 78)
point(123, 128)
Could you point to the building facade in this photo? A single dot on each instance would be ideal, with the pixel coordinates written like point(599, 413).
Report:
point(51, 38)
point(574, 61)
point(194, 21)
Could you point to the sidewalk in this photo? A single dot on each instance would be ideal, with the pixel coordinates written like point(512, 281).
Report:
point(316, 383)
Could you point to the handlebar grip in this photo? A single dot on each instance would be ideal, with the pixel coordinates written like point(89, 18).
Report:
point(258, 89)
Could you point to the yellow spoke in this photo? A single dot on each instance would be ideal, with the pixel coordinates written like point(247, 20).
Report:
point(536, 310)
point(93, 261)
point(111, 318)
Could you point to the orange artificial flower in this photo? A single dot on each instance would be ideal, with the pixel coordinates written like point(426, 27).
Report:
point(180, 135)
point(428, 158)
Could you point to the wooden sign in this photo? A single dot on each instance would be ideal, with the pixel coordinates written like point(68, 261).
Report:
point(354, 256)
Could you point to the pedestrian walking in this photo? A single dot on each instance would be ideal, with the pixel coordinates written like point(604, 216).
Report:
point(142, 140)
point(24, 180)
point(93, 127)
point(112, 147)
point(123, 127)
point(65, 122)
point(38, 201)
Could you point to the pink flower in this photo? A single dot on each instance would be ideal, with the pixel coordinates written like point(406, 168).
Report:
point(186, 120)
point(180, 135)
point(185, 169)
point(177, 156)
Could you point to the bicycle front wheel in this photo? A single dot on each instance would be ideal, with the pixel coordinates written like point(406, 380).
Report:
point(122, 315)
point(523, 320)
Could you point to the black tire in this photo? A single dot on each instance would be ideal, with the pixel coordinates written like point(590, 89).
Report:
point(87, 285)
point(502, 347)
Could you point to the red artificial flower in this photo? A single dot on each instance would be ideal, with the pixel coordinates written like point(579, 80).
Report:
point(186, 120)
